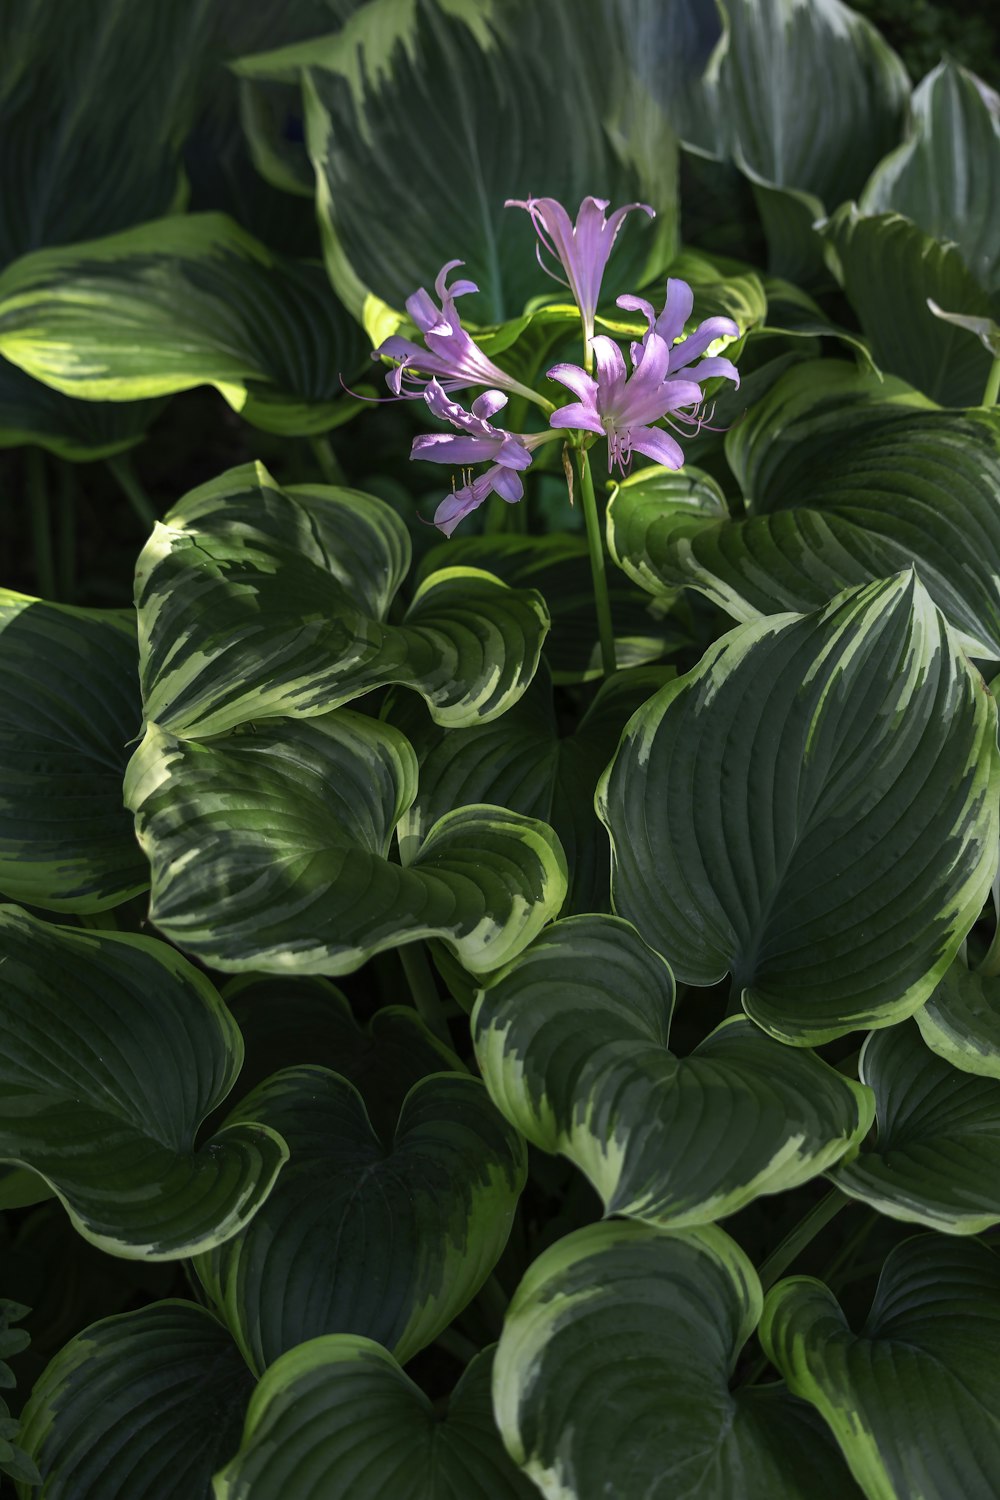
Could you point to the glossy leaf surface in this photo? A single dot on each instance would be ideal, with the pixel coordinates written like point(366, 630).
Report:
point(961, 1021)
point(812, 809)
point(573, 1042)
point(69, 704)
point(114, 1050)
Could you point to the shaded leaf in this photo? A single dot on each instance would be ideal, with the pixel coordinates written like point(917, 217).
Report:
point(812, 809)
point(269, 851)
point(390, 1237)
point(69, 704)
point(936, 1160)
point(337, 1416)
point(613, 1376)
point(912, 1399)
point(256, 601)
point(31, 412)
point(573, 1042)
point(143, 1406)
point(114, 1050)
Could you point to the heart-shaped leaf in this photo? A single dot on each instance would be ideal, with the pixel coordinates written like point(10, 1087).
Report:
point(377, 82)
point(144, 1406)
point(919, 489)
point(813, 809)
point(523, 763)
point(937, 1157)
point(269, 851)
point(961, 1020)
point(114, 1049)
point(182, 302)
point(337, 1416)
point(889, 269)
point(69, 704)
point(913, 1397)
point(572, 1041)
point(613, 1376)
point(946, 174)
point(256, 601)
point(285, 1022)
point(388, 1238)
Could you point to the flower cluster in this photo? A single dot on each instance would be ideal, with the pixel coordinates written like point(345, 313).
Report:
point(622, 405)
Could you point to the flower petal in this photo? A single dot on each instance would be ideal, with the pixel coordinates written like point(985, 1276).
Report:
point(611, 371)
point(676, 310)
point(488, 404)
point(715, 365)
point(451, 448)
point(577, 380)
point(706, 333)
point(657, 445)
point(507, 485)
point(458, 289)
point(577, 415)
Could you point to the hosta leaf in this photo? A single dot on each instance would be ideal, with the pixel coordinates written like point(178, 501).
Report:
point(808, 96)
point(144, 1406)
point(922, 488)
point(889, 268)
point(337, 1416)
point(937, 1157)
point(946, 174)
point(285, 1022)
point(69, 704)
point(114, 1050)
point(387, 224)
point(613, 1376)
point(387, 1237)
point(961, 1021)
point(912, 1398)
point(269, 851)
point(181, 302)
point(521, 762)
point(573, 1042)
point(31, 412)
point(256, 601)
point(559, 568)
point(813, 810)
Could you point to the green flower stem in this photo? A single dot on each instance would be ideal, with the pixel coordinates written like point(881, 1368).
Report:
point(992, 390)
point(329, 464)
point(798, 1238)
point(133, 491)
point(595, 543)
point(423, 990)
point(41, 527)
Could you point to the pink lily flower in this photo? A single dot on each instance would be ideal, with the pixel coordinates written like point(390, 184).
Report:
point(449, 352)
point(669, 325)
point(582, 249)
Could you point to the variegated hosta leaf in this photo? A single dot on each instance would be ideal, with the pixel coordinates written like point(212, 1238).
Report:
point(889, 268)
point(376, 83)
point(573, 1042)
point(913, 1397)
point(936, 1160)
point(338, 1417)
point(558, 566)
point(812, 809)
point(69, 704)
point(285, 1022)
point(961, 1020)
point(946, 174)
point(256, 601)
point(269, 851)
point(144, 1406)
point(613, 1376)
point(181, 302)
point(389, 1237)
point(886, 491)
point(806, 96)
point(114, 1049)
point(522, 763)
point(76, 430)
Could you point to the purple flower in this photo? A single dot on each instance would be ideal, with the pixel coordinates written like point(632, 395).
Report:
point(669, 326)
point(449, 352)
point(482, 443)
point(621, 407)
point(581, 248)
point(462, 502)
